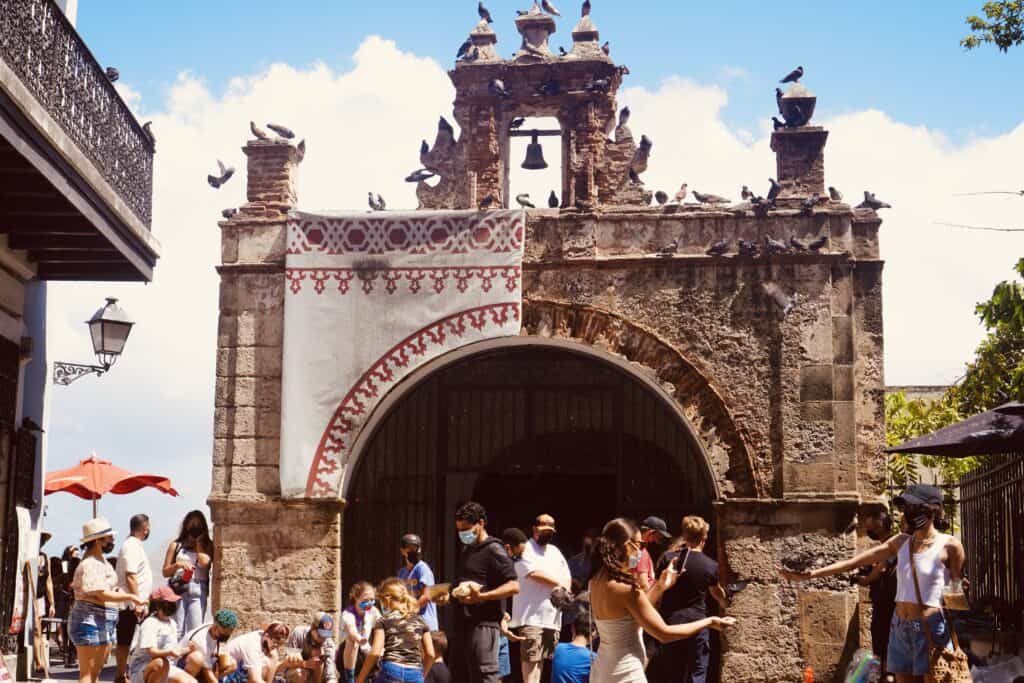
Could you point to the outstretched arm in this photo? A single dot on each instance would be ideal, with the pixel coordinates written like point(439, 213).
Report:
point(871, 556)
point(639, 605)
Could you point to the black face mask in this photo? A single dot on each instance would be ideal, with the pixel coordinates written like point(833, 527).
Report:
point(221, 637)
point(873, 535)
point(169, 610)
point(195, 532)
point(412, 556)
point(108, 547)
point(544, 537)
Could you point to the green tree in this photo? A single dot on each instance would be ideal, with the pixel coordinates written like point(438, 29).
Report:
point(1003, 25)
point(906, 419)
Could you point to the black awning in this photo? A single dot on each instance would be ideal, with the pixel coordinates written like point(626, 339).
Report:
point(997, 431)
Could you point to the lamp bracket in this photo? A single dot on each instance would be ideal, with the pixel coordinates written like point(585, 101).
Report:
point(66, 373)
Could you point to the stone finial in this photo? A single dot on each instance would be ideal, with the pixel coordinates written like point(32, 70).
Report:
point(586, 41)
point(800, 160)
point(535, 27)
point(484, 39)
point(797, 106)
point(270, 183)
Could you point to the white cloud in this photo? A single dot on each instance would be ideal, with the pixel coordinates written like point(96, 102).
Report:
point(733, 73)
point(363, 128)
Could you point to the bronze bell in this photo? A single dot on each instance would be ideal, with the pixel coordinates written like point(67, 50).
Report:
point(534, 156)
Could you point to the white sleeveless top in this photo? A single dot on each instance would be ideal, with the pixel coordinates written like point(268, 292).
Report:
point(932, 573)
point(620, 659)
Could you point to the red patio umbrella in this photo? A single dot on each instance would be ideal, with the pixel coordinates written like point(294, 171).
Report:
point(92, 478)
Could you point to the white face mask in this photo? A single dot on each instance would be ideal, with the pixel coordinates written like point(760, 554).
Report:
point(633, 561)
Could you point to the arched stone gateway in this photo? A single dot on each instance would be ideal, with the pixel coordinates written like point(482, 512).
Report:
point(748, 387)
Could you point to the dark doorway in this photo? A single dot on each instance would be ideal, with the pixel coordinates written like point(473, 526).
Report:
point(524, 430)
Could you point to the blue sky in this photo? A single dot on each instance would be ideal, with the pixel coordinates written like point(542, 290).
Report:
point(911, 115)
point(901, 56)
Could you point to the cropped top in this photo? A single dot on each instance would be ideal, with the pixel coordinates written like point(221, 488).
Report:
point(932, 573)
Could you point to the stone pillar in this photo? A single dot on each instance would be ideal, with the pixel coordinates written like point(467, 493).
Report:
point(273, 560)
point(800, 160)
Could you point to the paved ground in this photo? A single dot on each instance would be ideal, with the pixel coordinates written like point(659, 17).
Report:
point(59, 673)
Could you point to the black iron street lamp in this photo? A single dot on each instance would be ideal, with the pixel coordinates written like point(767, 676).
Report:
point(109, 328)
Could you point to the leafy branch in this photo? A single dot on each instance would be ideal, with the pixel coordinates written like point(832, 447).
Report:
point(1003, 25)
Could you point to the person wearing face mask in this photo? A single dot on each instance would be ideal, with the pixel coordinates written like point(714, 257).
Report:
point(315, 644)
point(417, 576)
point(880, 578)
point(541, 569)
point(926, 560)
point(256, 653)
point(187, 562)
point(135, 576)
point(93, 618)
point(486, 573)
point(154, 659)
point(357, 622)
point(205, 661)
point(579, 564)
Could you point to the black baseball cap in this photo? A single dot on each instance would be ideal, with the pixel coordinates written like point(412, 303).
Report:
point(411, 539)
point(656, 524)
point(919, 494)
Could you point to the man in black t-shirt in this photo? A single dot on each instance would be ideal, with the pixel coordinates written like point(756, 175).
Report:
point(484, 578)
point(881, 580)
point(686, 661)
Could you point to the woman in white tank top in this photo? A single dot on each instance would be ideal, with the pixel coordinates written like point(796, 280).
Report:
point(620, 608)
point(937, 559)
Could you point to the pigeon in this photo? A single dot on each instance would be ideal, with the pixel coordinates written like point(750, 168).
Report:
point(484, 14)
point(283, 131)
point(549, 87)
point(444, 127)
point(229, 213)
point(818, 244)
point(552, 200)
point(681, 195)
point(622, 69)
point(586, 8)
point(748, 249)
point(497, 87)
point(807, 205)
point(259, 133)
point(226, 172)
point(786, 303)
point(633, 176)
point(473, 55)
point(524, 201)
point(732, 589)
point(561, 51)
point(797, 245)
point(794, 76)
point(776, 124)
point(487, 202)
point(112, 74)
point(517, 123)
point(521, 12)
point(549, 8)
point(638, 164)
point(624, 115)
point(147, 128)
point(761, 206)
point(778, 99)
point(872, 202)
point(709, 198)
point(374, 206)
point(601, 85)
point(797, 119)
point(745, 193)
point(300, 151)
point(834, 194)
point(773, 246)
point(463, 49)
point(719, 248)
point(774, 190)
point(607, 48)
point(661, 197)
point(668, 250)
point(419, 176)
point(380, 203)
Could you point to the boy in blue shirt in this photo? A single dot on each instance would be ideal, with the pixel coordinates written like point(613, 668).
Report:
point(417, 576)
point(572, 660)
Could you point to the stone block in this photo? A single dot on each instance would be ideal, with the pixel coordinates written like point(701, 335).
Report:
point(816, 339)
point(842, 340)
point(301, 563)
point(299, 595)
point(816, 411)
point(246, 451)
point(250, 361)
point(779, 666)
point(842, 383)
point(845, 429)
point(842, 291)
point(261, 243)
point(251, 328)
point(268, 480)
point(823, 615)
point(242, 479)
point(816, 383)
point(239, 392)
point(808, 477)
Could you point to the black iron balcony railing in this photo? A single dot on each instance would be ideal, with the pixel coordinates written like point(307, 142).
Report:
point(39, 44)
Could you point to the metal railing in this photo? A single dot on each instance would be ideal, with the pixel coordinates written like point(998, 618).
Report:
point(992, 504)
point(39, 44)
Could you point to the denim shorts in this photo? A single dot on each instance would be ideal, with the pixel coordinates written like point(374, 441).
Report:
point(908, 644)
point(90, 625)
point(395, 673)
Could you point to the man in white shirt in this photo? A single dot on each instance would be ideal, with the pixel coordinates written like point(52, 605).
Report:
point(541, 569)
point(134, 576)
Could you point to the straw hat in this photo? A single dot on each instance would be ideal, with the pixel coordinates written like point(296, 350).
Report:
point(96, 528)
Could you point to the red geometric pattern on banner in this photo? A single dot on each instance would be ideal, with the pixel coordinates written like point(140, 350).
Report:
point(427, 235)
point(437, 278)
point(360, 399)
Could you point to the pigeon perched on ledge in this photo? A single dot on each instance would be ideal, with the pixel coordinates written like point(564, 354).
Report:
point(793, 76)
point(872, 202)
point(283, 131)
point(523, 200)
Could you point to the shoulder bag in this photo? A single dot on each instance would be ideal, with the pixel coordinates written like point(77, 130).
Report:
point(177, 582)
point(944, 666)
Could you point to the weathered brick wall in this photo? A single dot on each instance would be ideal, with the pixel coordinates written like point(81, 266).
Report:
point(788, 408)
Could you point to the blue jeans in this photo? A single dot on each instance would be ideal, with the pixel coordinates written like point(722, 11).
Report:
point(908, 644)
point(192, 607)
point(393, 673)
point(90, 625)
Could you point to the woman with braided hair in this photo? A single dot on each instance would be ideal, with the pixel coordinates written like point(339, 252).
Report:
point(621, 608)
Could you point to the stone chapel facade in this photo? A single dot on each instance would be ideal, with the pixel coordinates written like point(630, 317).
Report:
point(785, 409)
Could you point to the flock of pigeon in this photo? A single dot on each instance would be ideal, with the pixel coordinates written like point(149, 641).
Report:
point(225, 173)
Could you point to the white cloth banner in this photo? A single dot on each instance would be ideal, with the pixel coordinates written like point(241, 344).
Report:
point(368, 299)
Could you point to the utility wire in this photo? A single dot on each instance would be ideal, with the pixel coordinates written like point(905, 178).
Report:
point(1019, 193)
point(978, 227)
